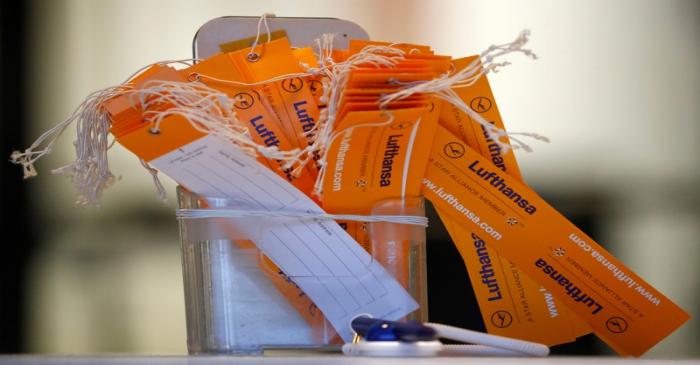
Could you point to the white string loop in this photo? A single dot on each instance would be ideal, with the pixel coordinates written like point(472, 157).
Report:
point(162, 195)
point(252, 55)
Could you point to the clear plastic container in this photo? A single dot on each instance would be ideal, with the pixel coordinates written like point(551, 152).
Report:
point(238, 302)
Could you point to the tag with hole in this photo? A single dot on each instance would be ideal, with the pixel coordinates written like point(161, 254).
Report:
point(511, 303)
point(621, 308)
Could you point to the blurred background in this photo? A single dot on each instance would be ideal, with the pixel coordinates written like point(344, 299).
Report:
point(616, 89)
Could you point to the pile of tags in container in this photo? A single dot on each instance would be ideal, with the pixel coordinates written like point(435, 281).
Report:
point(348, 128)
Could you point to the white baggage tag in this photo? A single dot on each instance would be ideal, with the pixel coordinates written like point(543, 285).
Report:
point(339, 276)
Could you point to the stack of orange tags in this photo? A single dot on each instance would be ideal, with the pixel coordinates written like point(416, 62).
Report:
point(332, 133)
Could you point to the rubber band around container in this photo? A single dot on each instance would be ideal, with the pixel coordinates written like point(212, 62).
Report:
point(238, 213)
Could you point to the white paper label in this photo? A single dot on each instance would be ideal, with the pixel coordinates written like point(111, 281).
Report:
point(318, 255)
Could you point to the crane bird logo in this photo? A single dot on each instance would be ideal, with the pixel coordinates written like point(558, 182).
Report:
point(454, 150)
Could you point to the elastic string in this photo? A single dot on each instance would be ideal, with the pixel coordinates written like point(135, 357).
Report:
point(238, 213)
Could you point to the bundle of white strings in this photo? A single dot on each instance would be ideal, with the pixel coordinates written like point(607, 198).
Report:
point(442, 87)
point(211, 111)
point(336, 79)
point(90, 170)
point(206, 109)
point(487, 62)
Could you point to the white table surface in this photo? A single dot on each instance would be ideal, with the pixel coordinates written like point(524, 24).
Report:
point(332, 359)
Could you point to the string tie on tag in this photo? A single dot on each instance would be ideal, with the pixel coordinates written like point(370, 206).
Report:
point(443, 86)
point(254, 56)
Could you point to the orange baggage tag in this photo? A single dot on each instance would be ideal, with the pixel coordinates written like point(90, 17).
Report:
point(291, 98)
point(135, 135)
point(371, 89)
point(480, 99)
point(253, 110)
point(376, 158)
point(340, 55)
point(547, 321)
point(356, 45)
point(307, 57)
point(369, 163)
point(621, 308)
point(414, 55)
point(401, 66)
point(125, 111)
point(375, 89)
point(369, 82)
point(373, 105)
point(435, 63)
point(374, 99)
point(511, 304)
point(387, 76)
